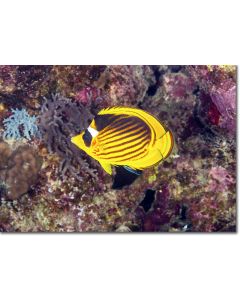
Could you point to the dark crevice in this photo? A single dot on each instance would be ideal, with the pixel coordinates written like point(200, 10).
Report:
point(183, 212)
point(154, 87)
point(148, 200)
point(196, 91)
point(175, 69)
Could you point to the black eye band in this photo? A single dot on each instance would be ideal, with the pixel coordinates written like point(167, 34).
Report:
point(87, 138)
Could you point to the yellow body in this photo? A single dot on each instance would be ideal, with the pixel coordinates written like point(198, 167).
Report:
point(145, 144)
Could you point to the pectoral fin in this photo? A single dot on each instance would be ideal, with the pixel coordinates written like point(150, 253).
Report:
point(106, 166)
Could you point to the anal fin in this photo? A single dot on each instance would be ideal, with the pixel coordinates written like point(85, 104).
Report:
point(124, 176)
point(106, 166)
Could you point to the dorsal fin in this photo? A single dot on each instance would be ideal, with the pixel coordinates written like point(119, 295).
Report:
point(102, 121)
point(145, 116)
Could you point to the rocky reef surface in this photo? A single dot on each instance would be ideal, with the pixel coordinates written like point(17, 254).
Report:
point(47, 185)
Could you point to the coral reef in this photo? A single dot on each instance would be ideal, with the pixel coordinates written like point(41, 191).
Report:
point(7, 79)
point(178, 85)
point(20, 169)
point(24, 81)
point(61, 118)
point(220, 179)
point(128, 84)
point(70, 80)
point(225, 102)
point(20, 124)
point(159, 214)
point(65, 190)
point(218, 95)
point(5, 152)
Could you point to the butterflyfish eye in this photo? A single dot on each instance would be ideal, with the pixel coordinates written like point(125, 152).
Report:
point(87, 138)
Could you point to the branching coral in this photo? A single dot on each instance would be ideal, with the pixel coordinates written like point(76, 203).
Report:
point(20, 124)
point(60, 119)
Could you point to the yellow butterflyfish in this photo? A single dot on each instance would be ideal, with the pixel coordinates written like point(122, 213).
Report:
point(125, 137)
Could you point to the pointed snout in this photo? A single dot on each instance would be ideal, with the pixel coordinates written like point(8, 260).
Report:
point(74, 139)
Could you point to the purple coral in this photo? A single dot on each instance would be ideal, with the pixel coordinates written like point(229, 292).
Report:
point(178, 86)
point(225, 102)
point(88, 94)
point(93, 98)
point(60, 119)
point(220, 179)
point(218, 86)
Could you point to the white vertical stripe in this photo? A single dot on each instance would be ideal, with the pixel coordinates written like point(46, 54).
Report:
point(93, 131)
